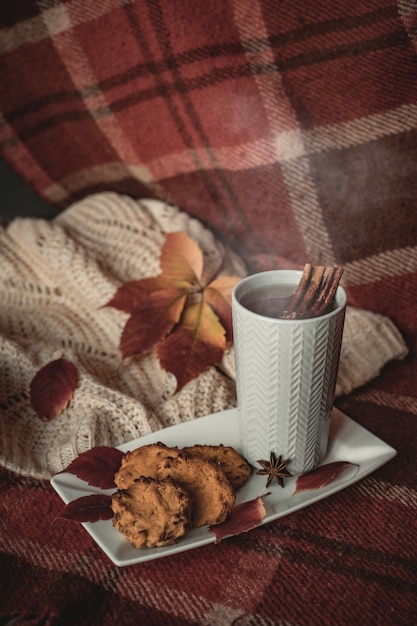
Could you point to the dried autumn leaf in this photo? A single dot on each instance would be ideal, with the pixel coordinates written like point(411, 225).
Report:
point(187, 322)
point(196, 343)
point(130, 295)
point(181, 260)
point(321, 476)
point(243, 517)
point(52, 388)
point(152, 320)
point(218, 294)
point(91, 508)
point(97, 466)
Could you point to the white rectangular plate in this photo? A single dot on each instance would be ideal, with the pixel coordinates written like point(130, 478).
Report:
point(348, 442)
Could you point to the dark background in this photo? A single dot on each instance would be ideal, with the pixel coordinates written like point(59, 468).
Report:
point(18, 199)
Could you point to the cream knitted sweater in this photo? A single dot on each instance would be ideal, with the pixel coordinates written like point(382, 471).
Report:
point(55, 277)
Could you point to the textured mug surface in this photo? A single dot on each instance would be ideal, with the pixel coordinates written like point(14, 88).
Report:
point(286, 374)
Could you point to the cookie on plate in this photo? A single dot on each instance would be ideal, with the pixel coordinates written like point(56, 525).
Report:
point(151, 512)
point(212, 494)
point(142, 462)
point(234, 465)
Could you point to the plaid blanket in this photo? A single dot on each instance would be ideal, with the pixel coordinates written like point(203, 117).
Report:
point(348, 560)
point(290, 129)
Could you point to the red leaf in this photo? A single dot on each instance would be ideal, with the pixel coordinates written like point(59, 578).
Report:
point(52, 388)
point(152, 321)
point(97, 466)
point(243, 517)
point(322, 476)
point(195, 344)
point(181, 260)
point(130, 295)
point(91, 508)
point(219, 295)
point(186, 322)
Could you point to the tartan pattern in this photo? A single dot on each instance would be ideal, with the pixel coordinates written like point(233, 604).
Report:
point(290, 129)
point(350, 559)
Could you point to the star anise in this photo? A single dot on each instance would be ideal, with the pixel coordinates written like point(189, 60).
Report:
point(274, 468)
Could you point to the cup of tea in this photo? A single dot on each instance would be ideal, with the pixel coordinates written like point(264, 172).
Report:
point(286, 370)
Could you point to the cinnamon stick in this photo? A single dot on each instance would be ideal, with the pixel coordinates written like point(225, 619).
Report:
point(315, 292)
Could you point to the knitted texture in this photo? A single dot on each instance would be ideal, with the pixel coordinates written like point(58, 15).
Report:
point(56, 278)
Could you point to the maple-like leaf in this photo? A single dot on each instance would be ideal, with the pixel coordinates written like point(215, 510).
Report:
point(322, 476)
point(218, 295)
point(182, 260)
point(97, 466)
point(198, 342)
point(151, 321)
point(186, 321)
point(131, 294)
point(91, 508)
point(243, 517)
point(52, 388)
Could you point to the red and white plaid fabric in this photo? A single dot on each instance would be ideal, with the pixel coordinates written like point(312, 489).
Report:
point(290, 129)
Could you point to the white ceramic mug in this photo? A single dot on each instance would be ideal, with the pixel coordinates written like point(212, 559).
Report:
point(286, 374)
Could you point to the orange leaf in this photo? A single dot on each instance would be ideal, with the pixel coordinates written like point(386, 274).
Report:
point(323, 475)
point(52, 388)
point(195, 344)
point(219, 295)
point(129, 295)
point(181, 260)
point(243, 517)
point(190, 337)
point(151, 321)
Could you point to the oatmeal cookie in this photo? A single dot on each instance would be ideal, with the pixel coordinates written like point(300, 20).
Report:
point(235, 466)
point(151, 512)
point(212, 494)
point(142, 462)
